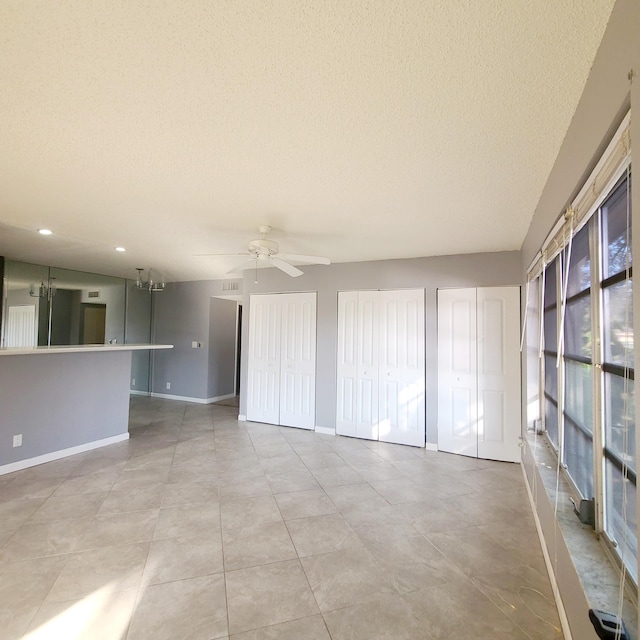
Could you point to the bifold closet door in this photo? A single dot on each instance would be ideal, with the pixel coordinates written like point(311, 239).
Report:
point(357, 368)
point(380, 366)
point(298, 361)
point(479, 372)
point(263, 388)
point(282, 359)
point(401, 367)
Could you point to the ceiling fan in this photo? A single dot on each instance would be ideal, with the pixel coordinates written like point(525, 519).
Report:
point(264, 251)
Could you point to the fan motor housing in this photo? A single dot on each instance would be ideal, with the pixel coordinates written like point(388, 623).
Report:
point(263, 247)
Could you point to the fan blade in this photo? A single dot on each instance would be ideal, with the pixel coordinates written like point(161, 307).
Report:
point(289, 269)
point(308, 259)
point(247, 264)
point(218, 255)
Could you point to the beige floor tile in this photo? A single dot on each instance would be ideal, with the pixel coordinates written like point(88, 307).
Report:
point(16, 512)
point(346, 577)
point(99, 616)
point(110, 569)
point(188, 520)
point(525, 596)
point(299, 480)
point(124, 500)
point(194, 609)
point(337, 476)
point(322, 534)
point(356, 496)
point(257, 544)
point(322, 460)
point(304, 504)
point(46, 539)
point(140, 478)
point(189, 493)
point(390, 618)
point(118, 529)
point(23, 587)
point(67, 507)
point(30, 487)
point(234, 488)
point(182, 558)
point(474, 552)
point(89, 483)
point(249, 511)
point(312, 628)
point(268, 595)
point(459, 610)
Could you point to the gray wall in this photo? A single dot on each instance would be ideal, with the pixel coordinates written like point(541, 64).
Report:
point(605, 100)
point(57, 401)
point(182, 314)
point(472, 270)
point(222, 347)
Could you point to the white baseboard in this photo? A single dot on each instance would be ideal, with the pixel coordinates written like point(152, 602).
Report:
point(168, 396)
point(562, 614)
point(242, 418)
point(430, 446)
point(326, 430)
point(62, 453)
point(133, 392)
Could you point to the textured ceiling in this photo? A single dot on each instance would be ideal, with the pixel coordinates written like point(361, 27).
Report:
point(357, 129)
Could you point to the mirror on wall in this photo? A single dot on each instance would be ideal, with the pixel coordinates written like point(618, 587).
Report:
point(53, 306)
point(138, 331)
point(25, 320)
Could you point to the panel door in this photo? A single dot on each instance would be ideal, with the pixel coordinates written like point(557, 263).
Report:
point(347, 364)
point(499, 390)
point(263, 389)
point(457, 372)
point(298, 360)
point(401, 367)
point(22, 330)
point(367, 365)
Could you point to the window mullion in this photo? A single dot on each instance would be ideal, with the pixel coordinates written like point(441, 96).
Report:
point(559, 357)
point(597, 377)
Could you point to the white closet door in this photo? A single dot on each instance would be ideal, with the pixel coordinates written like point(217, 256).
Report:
point(263, 389)
point(499, 373)
point(457, 372)
point(22, 329)
point(298, 360)
point(367, 365)
point(401, 367)
point(347, 364)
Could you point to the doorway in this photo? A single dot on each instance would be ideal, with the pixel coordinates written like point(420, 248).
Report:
point(92, 323)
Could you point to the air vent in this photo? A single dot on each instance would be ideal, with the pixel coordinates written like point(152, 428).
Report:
point(93, 294)
point(230, 286)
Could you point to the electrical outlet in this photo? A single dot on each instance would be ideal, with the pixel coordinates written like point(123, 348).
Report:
point(133, 382)
point(17, 440)
point(168, 385)
point(194, 345)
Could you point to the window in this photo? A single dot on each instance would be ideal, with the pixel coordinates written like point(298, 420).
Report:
point(620, 465)
point(587, 403)
point(578, 365)
point(550, 322)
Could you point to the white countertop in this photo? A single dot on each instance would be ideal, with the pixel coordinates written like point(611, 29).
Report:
point(78, 348)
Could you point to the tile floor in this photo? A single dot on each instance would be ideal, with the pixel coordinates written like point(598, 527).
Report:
point(204, 527)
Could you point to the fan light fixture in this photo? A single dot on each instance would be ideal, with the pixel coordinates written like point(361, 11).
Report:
point(148, 282)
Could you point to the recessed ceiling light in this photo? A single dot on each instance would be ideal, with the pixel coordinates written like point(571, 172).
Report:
point(45, 232)
point(120, 249)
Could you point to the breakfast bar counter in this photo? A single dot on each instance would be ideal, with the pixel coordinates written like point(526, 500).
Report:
point(61, 400)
